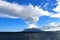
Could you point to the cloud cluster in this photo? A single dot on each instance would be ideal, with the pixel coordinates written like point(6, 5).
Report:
point(52, 26)
point(57, 15)
point(56, 26)
point(29, 13)
point(57, 10)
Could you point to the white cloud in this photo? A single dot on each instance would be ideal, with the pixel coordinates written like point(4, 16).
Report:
point(58, 6)
point(8, 16)
point(32, 26)
point(28, 12)
point(54, 24)
point(56, 10)
point(55, 15)
point(52, 27)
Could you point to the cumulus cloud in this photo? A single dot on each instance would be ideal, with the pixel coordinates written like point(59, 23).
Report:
point(29, 13)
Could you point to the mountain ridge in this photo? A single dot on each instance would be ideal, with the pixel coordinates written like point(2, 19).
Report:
point(32, 30)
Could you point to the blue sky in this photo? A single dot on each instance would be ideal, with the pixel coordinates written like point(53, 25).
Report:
point(12, 24)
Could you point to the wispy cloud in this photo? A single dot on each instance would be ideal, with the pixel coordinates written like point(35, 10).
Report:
point(57, 10)
point(53, 29)
point(52, 26)
point(55, 16)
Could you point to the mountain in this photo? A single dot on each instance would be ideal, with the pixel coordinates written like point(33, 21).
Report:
point(32, 30)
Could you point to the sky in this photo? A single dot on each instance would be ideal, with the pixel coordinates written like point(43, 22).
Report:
point(16, 15)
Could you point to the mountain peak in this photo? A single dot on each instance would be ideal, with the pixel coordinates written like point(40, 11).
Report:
point(32, 30)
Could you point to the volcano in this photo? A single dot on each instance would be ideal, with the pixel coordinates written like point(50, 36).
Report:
point(32, 30)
